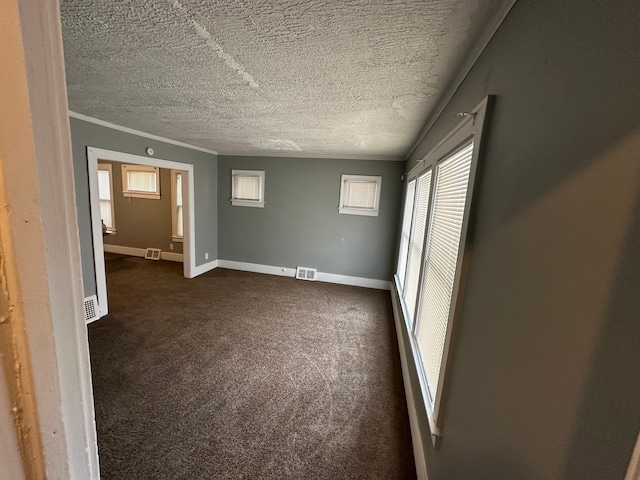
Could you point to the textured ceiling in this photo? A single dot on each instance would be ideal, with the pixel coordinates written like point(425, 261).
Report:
point(286, 77)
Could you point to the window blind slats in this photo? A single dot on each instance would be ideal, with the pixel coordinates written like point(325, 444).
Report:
point(406, 231)
point(441, 257)
point(247, 187)
point(417, 241)
point(360, 194)
point(141, 181)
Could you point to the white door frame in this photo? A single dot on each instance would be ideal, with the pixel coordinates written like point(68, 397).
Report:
point(95, 154)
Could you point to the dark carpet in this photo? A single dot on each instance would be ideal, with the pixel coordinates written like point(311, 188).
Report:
point(242, 375)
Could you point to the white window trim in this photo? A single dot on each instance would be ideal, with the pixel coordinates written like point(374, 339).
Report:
point(247, 203)
point(471, 128)
point(174, 206)
point(107, 167)
point(137, 194)
point(360, 211)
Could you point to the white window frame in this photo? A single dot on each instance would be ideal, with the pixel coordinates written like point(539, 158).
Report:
point(348, 210)
point(244, 202)
point(175, 236)
point(138, 194)
point(469, 129)
point(107, 167)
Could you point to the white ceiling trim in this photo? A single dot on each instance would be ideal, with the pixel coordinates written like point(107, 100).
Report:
point(482, 43)
point(151, 136)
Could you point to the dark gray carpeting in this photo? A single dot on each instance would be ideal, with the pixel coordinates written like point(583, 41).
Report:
point(241, 375)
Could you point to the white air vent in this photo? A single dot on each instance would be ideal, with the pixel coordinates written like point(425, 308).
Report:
point(91, 309)
point(152, 254)
point(306, 273)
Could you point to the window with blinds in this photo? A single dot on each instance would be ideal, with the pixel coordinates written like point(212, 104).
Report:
point(360, 195)
point(406, 231)
point(441, 261)
point(105, 193)
point(177, 229)
point(416, 243)
point(141, 181)
point(431, 254)
point(247, 188)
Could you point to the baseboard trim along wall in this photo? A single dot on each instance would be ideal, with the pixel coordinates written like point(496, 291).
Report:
point(204, 268)
point(139, 252)
point(291, 272)
point(416, 438)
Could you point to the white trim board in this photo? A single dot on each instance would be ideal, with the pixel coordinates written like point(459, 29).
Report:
point(140, 252)
point(416, 438)
point(204, 268)
point(188, 245)
point(291, 272)
point(103, 123)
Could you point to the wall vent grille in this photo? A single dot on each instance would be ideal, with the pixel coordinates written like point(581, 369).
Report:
point(306, 273)
point(91, 309)
point(152, 254)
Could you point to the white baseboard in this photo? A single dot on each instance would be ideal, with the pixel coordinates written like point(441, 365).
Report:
point(291, 272)
point(355, 281)
point(257, 268)
point(416, 438)
point(204, 268)
point(139, 252)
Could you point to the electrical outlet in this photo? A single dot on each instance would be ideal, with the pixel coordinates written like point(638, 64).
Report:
point(171, 246)
point(206, 256)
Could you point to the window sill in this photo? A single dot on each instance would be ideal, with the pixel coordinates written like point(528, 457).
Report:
point(357, 211)
point(177, 239)
point(151, 196)
point(247, 203)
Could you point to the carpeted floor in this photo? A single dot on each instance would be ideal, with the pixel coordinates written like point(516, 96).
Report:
point(242, 375)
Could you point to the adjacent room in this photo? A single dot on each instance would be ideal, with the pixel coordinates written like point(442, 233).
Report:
point(384, 239)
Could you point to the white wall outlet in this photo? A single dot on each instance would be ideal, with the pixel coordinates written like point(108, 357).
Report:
point(206, 256)
point(171, 246)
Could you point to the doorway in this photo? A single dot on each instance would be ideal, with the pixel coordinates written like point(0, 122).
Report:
point(186, 170)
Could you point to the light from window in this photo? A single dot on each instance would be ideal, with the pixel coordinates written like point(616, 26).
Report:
point(432, 245)
point(141, 181)
point(360, 195)
point(177, 221)
point(247, 188)
point(105, 192)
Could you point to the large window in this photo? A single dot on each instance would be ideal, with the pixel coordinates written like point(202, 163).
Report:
point(177, 220)
point(247, 188)
point(105, 192)
point(140, 181)
point(432, 247)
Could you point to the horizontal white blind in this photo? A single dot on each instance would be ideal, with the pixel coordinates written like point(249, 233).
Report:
point(360, 194)
point(452, 179)
point(246, 187)
point(416, 242)
point(141, 181)
point(179, 228)
point(104, 185)
point(105, 213)
point(406, 231)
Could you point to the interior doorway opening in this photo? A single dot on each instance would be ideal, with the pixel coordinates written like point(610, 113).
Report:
point(94, 155)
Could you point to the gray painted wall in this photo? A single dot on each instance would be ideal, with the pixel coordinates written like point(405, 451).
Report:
point(85, 134)
point(545, 374)
point(300, 224)
point(142, 222)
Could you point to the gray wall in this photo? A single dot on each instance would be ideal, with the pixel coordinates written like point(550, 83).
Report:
point(545, 379)
point(142, 222)
point(85, 134)
point(300, 224)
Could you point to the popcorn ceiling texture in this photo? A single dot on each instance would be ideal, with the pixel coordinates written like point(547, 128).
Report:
point(315, 78)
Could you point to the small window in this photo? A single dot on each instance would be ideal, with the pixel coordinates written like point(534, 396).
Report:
point(105, 192)
point(247, 188)
point(177, 222)
point(360, 195)
point(141, 181)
